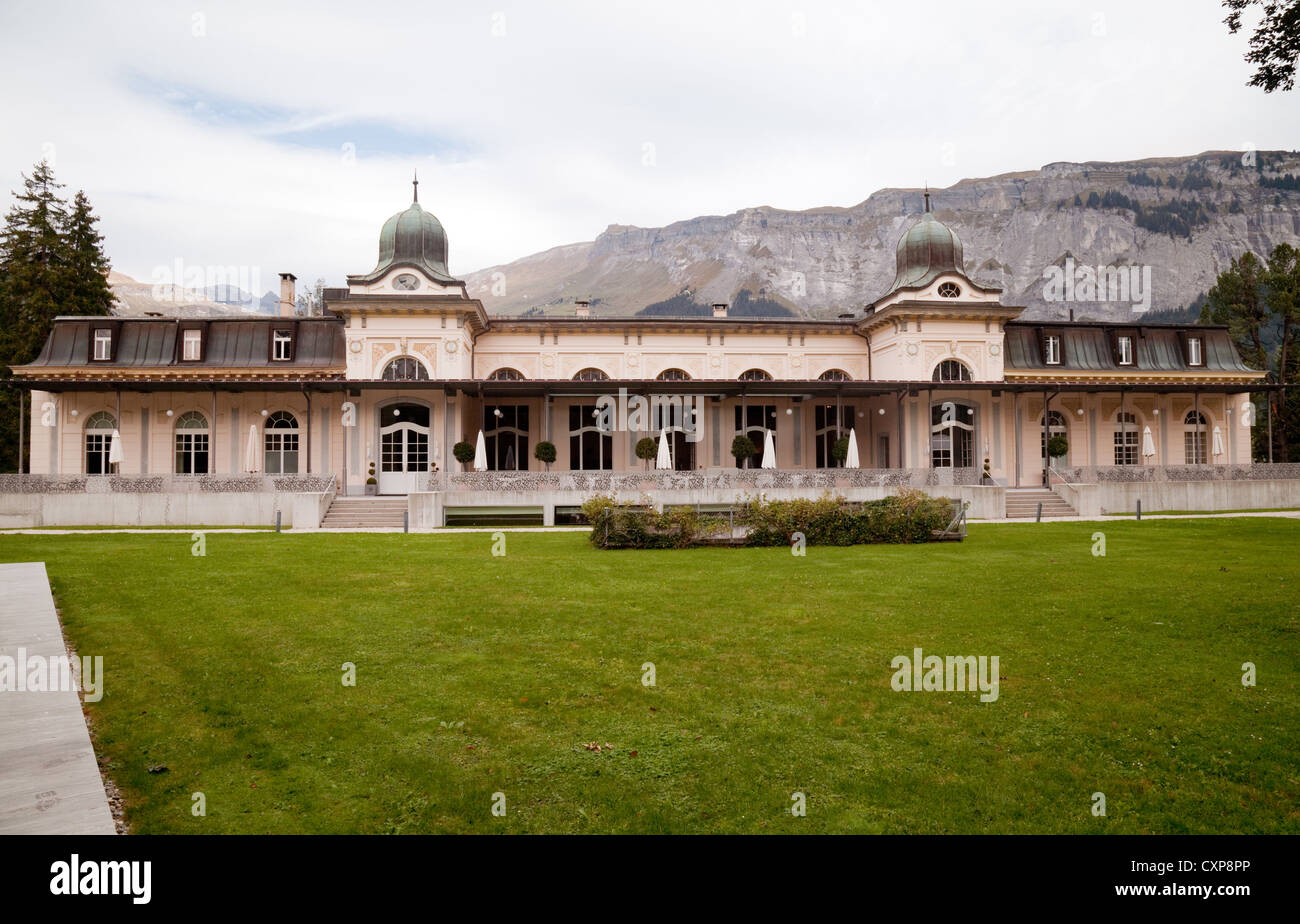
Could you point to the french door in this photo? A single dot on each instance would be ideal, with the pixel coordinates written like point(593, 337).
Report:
point(403, 449)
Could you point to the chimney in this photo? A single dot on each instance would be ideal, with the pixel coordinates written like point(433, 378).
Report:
point(582, 308)
point(288, 300)
point(719, 309)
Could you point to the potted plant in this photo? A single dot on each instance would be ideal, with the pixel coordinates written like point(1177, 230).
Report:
point(987, 476)
point(463, 452)
point(840, 450)
point(742, 447)
point(646, 449)
point(545, 452)
point(372, 485)
point(1057, 447)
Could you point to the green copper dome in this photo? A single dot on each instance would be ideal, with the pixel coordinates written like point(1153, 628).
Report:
point(928, 249)
point(413, 238)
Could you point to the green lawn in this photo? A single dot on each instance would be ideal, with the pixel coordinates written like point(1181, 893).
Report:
point(1119, 675)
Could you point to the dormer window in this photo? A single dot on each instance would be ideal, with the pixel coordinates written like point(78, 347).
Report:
point(103, 344)
point(1052, 349)
point(949, 290)
point(1194, 357)
point(192, 346)
point(281, 346)
point(1124, 349)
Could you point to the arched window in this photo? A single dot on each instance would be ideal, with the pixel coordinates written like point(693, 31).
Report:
point(590, 446)
point(192, 444)
point(755, 375)
point(951, 370)
point(673, 375)
point(835, 375)
point(1195, 439)
point(1126, 439)
point(280, 442)
point(949, 290)
point(405, 369)
point(590, 374)
point(952, 434)
point(99, 440)
point(506, 374)
point(1056, 426)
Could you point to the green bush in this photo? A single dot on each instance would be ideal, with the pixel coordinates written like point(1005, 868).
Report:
point(617, 525)
point(646, 449)
point(1057, 446)
point(544, 452)
point(910, 516)
point(840, 449)
point(463, 452)
point(742, 447)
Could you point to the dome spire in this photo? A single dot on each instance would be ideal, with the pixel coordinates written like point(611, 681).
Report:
point(927, 197)
point(415, 186)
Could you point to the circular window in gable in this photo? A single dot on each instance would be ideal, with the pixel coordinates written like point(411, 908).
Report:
point(406, 282)
point(949, 290)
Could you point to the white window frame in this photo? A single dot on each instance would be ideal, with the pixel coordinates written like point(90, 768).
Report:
point(1052, 349)
point(103, 343)
point(191, 345)
point(1125, 348)
point(281, 339)
point(1195, 355)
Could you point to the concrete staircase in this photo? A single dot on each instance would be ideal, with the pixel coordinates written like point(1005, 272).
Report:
point(365, 513)
point(1023, 502)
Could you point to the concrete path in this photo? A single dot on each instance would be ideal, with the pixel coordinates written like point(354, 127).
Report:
point(49, 780)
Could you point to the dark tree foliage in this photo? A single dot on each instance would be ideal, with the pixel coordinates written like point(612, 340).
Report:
point(745, 305)
point(51, 263)
point(1275, 43)
point(1259, 302)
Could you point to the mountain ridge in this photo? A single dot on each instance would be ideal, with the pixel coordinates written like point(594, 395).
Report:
point(1015, 226)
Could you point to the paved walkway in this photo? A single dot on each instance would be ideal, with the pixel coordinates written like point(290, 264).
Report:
point(49, 779)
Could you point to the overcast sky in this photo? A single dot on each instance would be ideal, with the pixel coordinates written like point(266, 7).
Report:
point(279, 137)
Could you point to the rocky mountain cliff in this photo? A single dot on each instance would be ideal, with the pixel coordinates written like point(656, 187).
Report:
point(1174, 221)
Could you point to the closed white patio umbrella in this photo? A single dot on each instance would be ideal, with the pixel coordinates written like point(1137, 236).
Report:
point(1148, 444)
point(480, 454)
point(851, 460)
point(115, 448)
point(1218, 441)
point(769, 451)
point(665, 458)
point(250, 451)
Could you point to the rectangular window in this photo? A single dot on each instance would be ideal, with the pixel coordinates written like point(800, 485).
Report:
point(1052, 350)
point(1194, 351)
point(103, 343)
point(192, 345)
point(1194, 447)
point(1126, 351)
point(281, 345)
point(1126, 444)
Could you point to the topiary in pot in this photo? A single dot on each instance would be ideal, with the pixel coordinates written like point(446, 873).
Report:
point(742, 447)
point(544, 452)
point(841, 449)
point(372, 486)
point(463, 452)
point(1057, 446)
point(646, 449)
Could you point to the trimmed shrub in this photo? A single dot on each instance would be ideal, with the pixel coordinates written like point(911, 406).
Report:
point(646, 449)
point(544, 452)
point(463, 452)
point(840, 450)
point(742, 447)
point(910, 516)
point(1057, 446)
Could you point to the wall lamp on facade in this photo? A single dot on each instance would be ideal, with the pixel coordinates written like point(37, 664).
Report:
point(265, 412)
point(74, 412)
point(1080, 412)
point(169, 412)
point(882, 412)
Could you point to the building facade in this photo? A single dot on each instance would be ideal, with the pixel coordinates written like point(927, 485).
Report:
point(937, 375)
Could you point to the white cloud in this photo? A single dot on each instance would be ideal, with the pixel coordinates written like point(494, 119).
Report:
point(225, 147)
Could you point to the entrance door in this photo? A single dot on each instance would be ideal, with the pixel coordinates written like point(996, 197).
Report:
point(403, 449)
